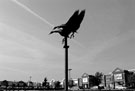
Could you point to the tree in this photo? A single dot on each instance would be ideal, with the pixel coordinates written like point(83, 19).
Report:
point(57, 84)
point(98, 78)
point(5, 83)
point(131, 81)
point(13, 86)
point(22, 84)
point(92, 80)
point(45, 83)
point(71, 83)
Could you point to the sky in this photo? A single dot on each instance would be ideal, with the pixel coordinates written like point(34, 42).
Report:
point(105, 39)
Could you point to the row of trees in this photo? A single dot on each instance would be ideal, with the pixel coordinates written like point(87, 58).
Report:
point(21, 85)
point(15, 85)
point(94, 81)
point(53, 85)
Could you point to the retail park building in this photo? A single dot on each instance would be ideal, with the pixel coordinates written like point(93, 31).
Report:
point(117, 78)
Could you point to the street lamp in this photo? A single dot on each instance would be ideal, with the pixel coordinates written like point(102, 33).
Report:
point(69, 73)
point(67, 30)
point(30, 78)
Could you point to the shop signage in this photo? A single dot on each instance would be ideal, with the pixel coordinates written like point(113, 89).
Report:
point(85, 79)
point(118, 77)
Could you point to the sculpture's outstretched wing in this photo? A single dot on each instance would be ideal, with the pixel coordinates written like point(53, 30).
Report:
point(73, 18)
point(76, 24)
point(80, 17)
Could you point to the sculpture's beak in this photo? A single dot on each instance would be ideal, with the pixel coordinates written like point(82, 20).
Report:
point(51, 32)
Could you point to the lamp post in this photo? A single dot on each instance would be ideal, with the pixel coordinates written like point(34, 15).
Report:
point(30, 78)
point(69, 73)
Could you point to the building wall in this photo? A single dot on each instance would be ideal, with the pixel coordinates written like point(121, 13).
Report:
point(117, 78)
point(87, 81)
point(108, 81)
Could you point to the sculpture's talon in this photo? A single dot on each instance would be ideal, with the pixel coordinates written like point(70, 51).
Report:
point(72, 35)
point(63, 40)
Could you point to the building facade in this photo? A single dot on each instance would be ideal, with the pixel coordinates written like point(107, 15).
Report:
point(85, 81)
point(118, 78)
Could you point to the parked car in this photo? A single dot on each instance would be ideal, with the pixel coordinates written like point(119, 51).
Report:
point(120, 87)
point(94, 87)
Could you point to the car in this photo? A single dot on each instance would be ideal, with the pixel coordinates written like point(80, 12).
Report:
point(120, 87)
point(94, 87)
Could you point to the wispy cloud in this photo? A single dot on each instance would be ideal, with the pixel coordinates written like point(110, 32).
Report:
point(32, 12)
point(12, 70)
point(18, 43)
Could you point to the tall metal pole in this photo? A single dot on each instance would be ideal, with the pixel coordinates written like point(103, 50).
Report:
point(66, 64)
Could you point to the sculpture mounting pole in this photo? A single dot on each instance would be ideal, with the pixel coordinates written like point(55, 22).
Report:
point(66, 63)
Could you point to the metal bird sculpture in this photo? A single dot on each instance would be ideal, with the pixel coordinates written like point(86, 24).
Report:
point(68, 29)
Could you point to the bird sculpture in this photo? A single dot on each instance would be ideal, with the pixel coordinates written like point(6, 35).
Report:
point(71, 26)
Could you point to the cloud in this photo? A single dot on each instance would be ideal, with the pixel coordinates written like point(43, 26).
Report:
point(19, 44)
point(5, 68)
point(32, 12)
